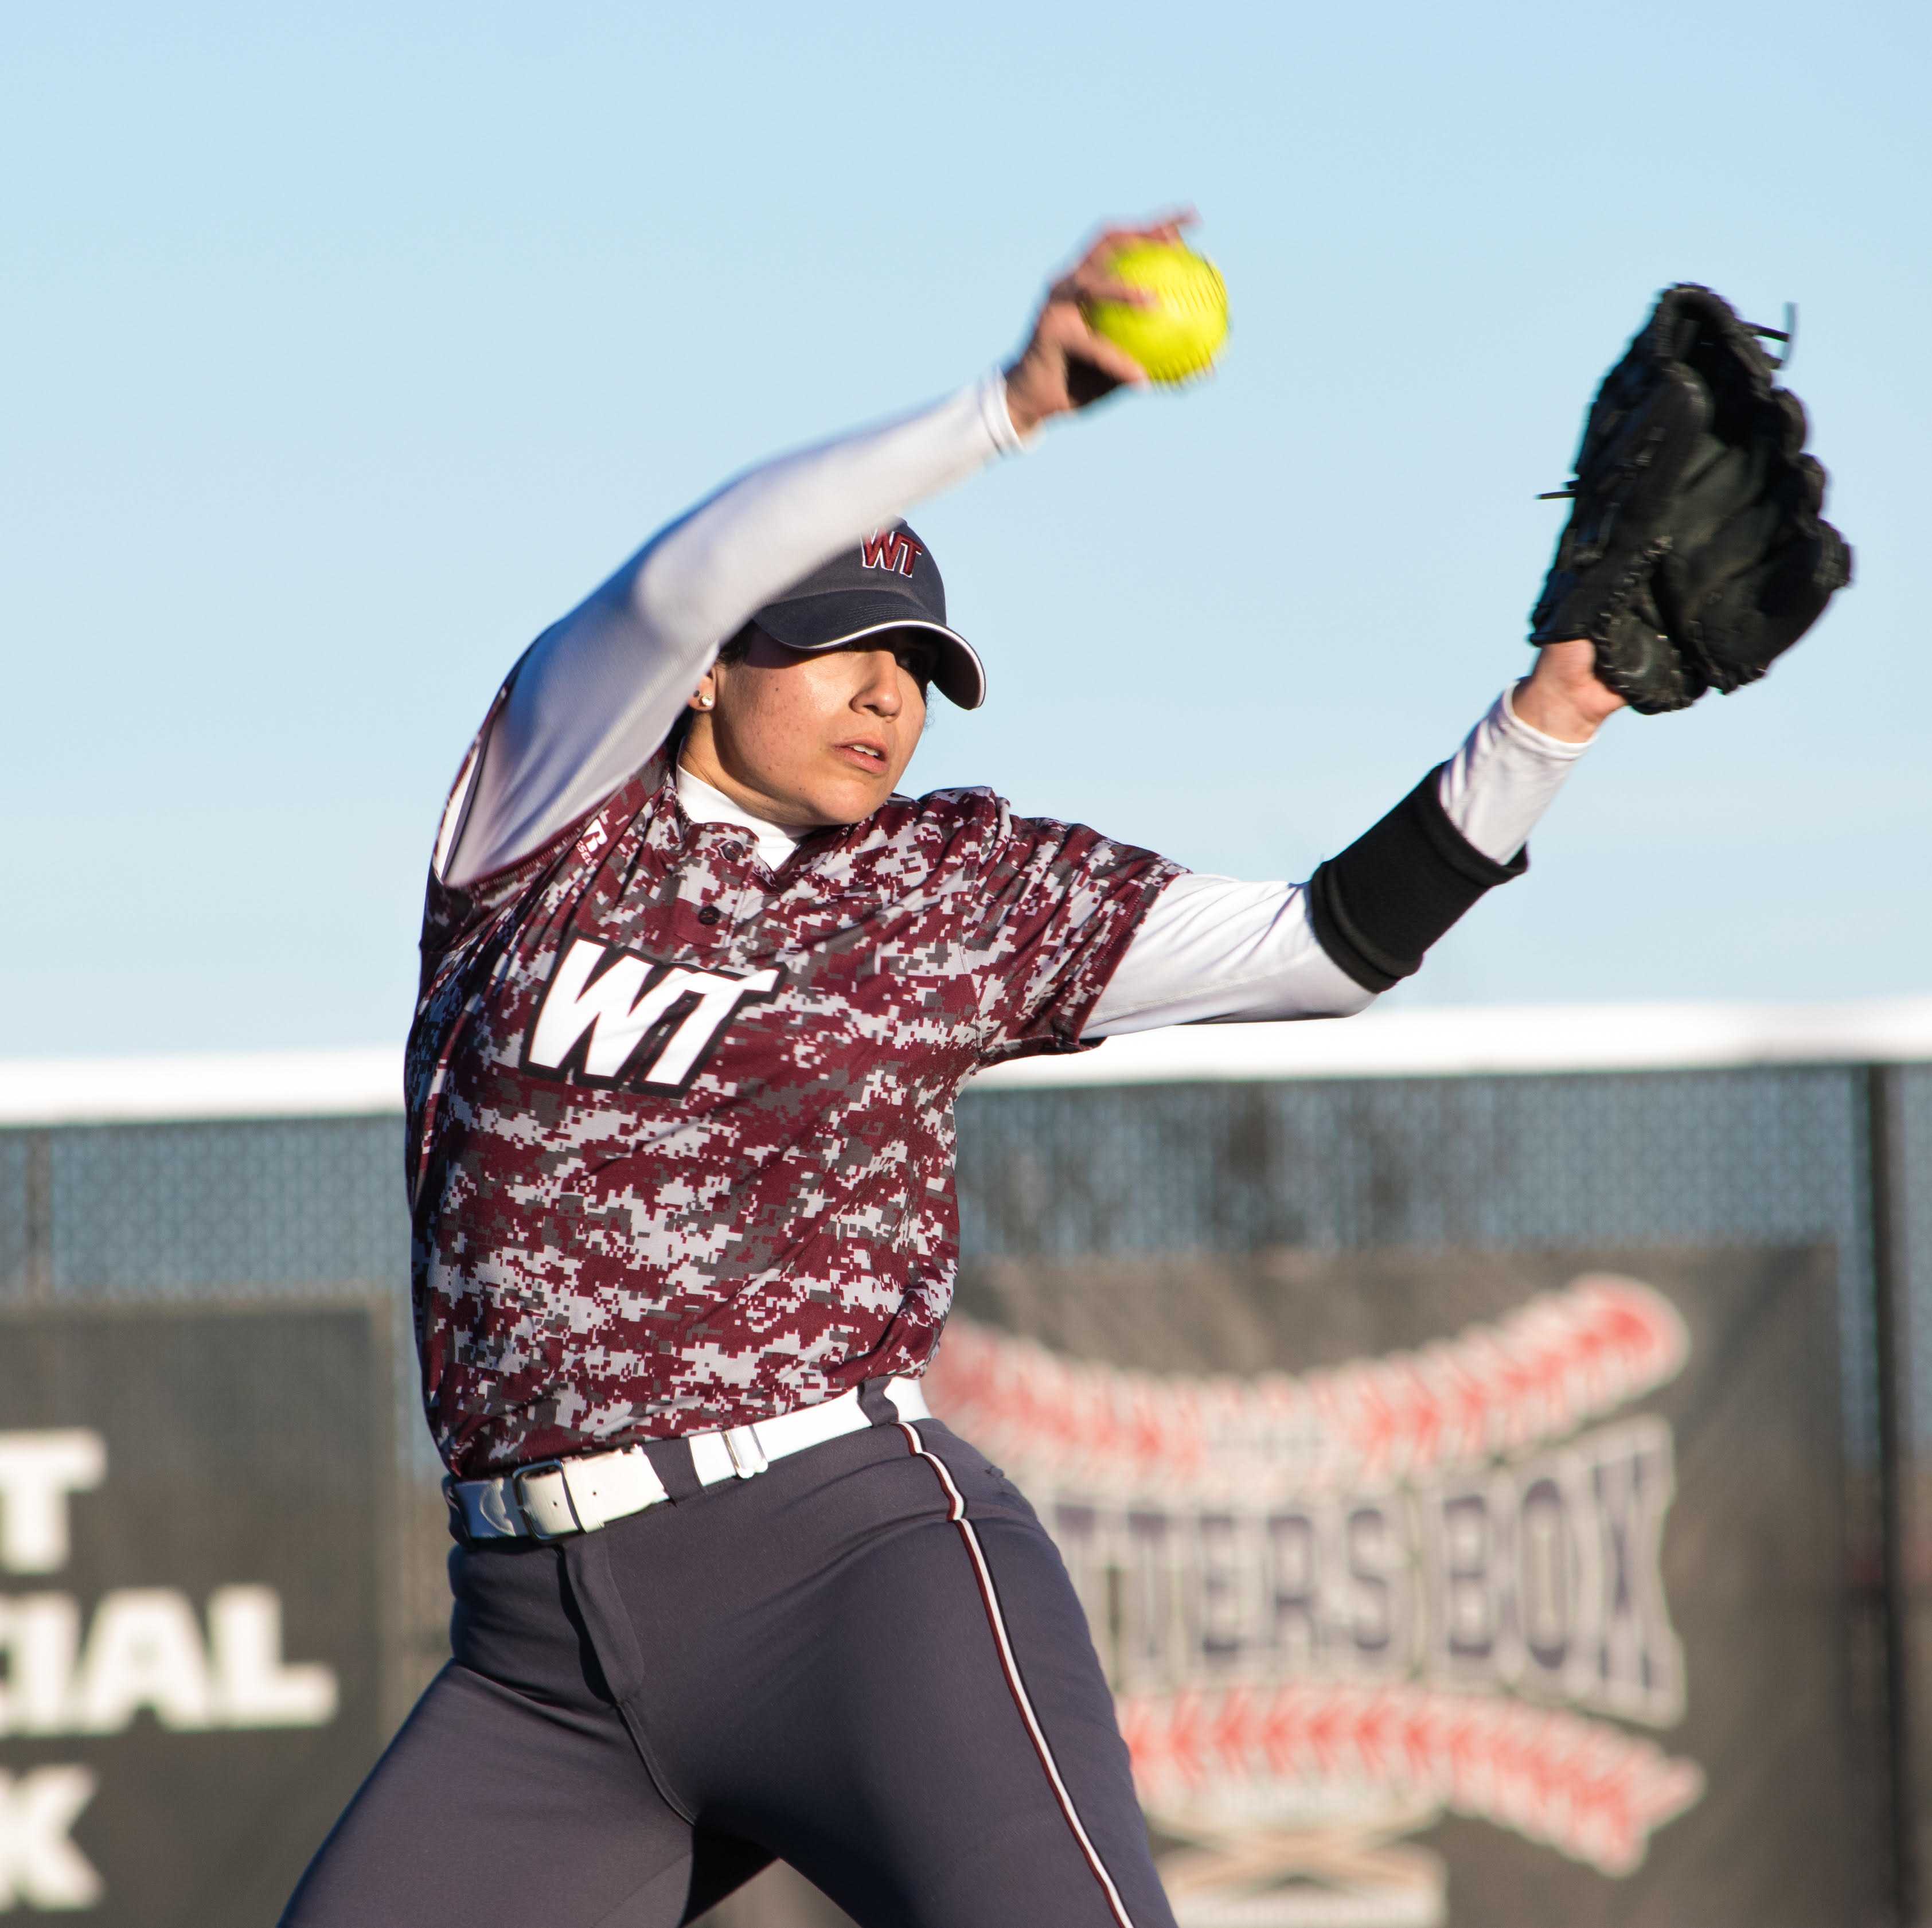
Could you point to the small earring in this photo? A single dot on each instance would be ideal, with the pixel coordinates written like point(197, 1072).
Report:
point(704, 703)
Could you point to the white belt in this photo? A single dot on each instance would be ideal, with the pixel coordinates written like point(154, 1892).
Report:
point(556, 1497)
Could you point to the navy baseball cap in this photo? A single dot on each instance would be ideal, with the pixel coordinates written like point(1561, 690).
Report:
point(887, 581)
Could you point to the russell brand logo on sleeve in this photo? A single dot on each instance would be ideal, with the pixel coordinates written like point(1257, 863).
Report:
point(611, 1016)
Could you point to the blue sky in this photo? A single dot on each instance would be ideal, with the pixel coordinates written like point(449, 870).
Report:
point(349, 346)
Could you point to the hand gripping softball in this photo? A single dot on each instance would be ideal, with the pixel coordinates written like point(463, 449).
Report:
point(1695, 554)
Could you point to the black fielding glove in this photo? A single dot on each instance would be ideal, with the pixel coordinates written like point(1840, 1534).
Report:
point(1695, 555)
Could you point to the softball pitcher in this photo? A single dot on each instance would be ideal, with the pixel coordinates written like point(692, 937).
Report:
point(699, 988)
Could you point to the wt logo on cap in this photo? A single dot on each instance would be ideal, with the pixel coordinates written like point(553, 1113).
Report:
point(890, 549)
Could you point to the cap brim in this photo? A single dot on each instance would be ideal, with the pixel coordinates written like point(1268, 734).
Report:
point(957, 674)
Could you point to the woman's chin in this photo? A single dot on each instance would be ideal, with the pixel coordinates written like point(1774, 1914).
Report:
point(849, 796)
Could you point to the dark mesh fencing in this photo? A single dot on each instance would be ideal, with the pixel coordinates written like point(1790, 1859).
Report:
point(1787, 1156)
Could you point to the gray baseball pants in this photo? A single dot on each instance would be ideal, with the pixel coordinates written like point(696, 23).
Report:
point(868, 1661)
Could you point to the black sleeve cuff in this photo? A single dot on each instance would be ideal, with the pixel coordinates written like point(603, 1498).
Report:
point(1378, 906)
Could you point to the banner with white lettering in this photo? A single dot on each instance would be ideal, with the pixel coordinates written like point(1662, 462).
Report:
point(190, 1574)
point(1447, 1588)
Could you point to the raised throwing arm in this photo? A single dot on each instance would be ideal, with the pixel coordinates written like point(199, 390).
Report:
point(596, 694)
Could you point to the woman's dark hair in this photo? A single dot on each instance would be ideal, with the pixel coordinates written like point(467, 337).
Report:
point(733, 649)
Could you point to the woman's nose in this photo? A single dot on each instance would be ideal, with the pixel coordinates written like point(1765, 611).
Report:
point(880, 691)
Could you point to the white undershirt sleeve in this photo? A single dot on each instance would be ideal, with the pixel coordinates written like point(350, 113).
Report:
point(1495, 788)
point(596, 694)
point(1214, 950)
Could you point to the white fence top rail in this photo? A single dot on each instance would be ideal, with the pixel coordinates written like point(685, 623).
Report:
point(1426, 1042)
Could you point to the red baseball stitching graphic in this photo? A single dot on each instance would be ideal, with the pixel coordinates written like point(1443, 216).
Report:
point(1562, 1359)
point(1485, 1423)
point(1576, 1785)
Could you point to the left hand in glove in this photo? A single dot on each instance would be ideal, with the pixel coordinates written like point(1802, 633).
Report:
point(1695, 554)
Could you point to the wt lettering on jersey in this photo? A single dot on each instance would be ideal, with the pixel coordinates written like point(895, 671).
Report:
point(609, 1016)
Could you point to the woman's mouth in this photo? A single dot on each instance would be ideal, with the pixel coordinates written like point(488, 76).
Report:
point(870, 757)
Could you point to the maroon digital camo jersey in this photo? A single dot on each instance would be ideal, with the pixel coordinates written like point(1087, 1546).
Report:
point(680, 1131)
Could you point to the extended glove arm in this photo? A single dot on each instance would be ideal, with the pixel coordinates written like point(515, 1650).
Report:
point(1217, 950)
point(1379, 905)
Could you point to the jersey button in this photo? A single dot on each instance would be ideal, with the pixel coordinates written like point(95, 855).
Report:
point(710, 914)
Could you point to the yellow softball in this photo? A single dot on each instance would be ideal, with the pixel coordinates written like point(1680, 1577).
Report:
point(1178, 337)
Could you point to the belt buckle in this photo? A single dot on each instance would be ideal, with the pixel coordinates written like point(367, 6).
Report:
point(459, 1519)
point(748, 1457)
point(519, 1474)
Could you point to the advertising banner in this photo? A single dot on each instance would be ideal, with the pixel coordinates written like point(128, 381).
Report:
point(1457, 1587)
point(191, 1503)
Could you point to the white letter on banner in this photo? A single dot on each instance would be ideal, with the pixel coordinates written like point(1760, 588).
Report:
point(144, 1650)
point(37, 1471)
point(38, 1864)
point(41, 1633)
point(253, 1686)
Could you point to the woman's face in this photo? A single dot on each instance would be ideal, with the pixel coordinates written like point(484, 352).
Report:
point(810, 739)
